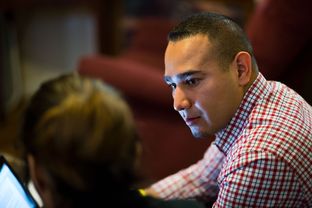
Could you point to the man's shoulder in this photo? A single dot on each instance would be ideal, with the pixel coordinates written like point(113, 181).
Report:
point(282, 110)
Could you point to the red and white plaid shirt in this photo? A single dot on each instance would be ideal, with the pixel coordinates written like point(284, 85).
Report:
point(263, 158)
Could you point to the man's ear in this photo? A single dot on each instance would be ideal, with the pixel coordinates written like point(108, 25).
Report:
point(243, 65)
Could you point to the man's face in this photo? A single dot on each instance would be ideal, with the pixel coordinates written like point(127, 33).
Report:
point(205, 95)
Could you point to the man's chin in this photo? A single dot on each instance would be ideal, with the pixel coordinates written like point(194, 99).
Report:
point(200, 134)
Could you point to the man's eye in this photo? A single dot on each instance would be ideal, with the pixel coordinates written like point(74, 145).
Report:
point(172, 85)
point(191, 81)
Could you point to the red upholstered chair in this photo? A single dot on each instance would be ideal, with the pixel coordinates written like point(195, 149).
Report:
point(168, 145)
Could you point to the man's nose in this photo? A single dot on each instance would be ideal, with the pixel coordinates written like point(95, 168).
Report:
point(180, 100)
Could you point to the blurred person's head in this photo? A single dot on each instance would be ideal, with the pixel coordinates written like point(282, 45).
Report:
point(81, 143)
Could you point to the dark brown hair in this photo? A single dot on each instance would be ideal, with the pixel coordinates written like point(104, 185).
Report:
point(82, 131)
point(227, 37)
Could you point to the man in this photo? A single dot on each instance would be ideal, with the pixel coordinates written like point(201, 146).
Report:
point(261, 156)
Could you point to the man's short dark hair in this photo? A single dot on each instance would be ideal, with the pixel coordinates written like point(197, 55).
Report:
point(227, 37)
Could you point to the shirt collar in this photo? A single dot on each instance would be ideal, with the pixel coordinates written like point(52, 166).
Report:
point(228, 136)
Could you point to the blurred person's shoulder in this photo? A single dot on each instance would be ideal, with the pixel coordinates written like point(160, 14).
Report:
point(177, 203)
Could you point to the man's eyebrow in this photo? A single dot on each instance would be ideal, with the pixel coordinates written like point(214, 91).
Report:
point(182, 75)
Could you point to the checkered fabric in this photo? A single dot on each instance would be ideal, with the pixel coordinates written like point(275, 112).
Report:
point(263, 158)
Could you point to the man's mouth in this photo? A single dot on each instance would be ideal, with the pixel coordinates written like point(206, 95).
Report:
point(191, 120)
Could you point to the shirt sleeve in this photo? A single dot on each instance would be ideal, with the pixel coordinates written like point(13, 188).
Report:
point(267, 182)
point(198, 181)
